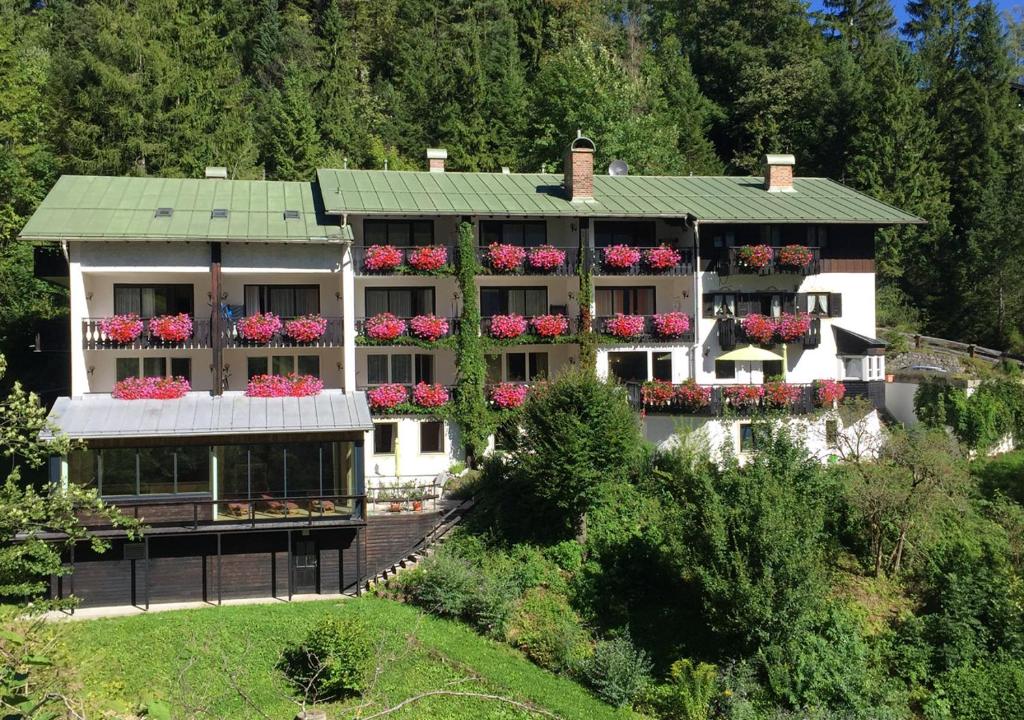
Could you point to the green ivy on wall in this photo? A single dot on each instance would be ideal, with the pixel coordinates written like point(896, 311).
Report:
point(587, 338)
point(476, 420)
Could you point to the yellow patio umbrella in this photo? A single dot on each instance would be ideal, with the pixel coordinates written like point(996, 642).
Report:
point(751, 354)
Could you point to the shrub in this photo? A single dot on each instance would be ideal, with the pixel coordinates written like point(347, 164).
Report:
point(617, 671)
point(983, 691)
point(548, 631)
point(334, 660)
point(688, 692)
point(443, 585)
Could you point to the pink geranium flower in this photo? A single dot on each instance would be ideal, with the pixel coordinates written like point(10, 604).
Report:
point(743, 396)
point(692, 396)
point(151, 388)
point(428, 259)
point(509, 395)
point(621, 257)
point(260, 327)
point(550, 325)
point(796, 256)
point(780, 394)
point(662, 257)
point(671, 324)
point(546, 257)
point(757, 257)
point(625, 326)
point(275, 386)
point(505, 258)
point(657, 392)
point(829, 392)
point(307, 328)
point(171, 328)
point(122, 328)
point(380, 258)
point(385, 326)
point(759, 328)
point(387, 397)
point(507, 327)
point(429, 396)
point(792, 327)
point(429, 327)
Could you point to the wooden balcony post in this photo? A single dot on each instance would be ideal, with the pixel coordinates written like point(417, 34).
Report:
point(216, 322)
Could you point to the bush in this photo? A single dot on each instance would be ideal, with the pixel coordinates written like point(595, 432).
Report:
point(333, 661)
point(688, 692)
point(984, 691)
point(617, 671)
point(548, 631)
point(443, 585)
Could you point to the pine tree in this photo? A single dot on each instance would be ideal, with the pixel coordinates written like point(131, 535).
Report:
point(291, 146)
point(861, 23)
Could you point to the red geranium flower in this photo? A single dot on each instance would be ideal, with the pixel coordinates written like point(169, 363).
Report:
point(829, 392)
point(621, 257)
point(429, 396)
point(428, 259)
point(625, 326)
point(757, 257)
point(307, 328)
point(657, 392)
point(759, 328)
point(506, 327)
point(385, 326)
point(387, 396)
point(429, 327)
point(379, 258)
point(260, 327)
point(122, 328)
point(793, 327)
point(780, 394)
point(505, 258)
point(743, 396)
point(672, 324)
point(550, 325)
point(693, 396)
point(171, 328)
point(509, 395)
point(796, 256)
point(662, 257)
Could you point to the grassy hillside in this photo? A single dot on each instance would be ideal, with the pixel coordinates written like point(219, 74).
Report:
point(219, 662)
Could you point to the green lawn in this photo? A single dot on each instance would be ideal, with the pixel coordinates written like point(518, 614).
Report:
point(203, 661)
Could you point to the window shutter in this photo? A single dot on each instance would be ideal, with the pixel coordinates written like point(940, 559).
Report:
point(708, 305)
point(801, 302)
point(835, 304)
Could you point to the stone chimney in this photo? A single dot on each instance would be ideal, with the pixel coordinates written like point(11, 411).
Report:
point(436, 158)
point(778, 173)
point(579, 169)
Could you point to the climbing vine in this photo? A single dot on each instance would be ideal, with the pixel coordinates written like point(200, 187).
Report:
point(979, 420)
point(587, 338)
point(476, 420)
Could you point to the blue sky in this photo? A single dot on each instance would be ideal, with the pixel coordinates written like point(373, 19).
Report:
point(901, 14)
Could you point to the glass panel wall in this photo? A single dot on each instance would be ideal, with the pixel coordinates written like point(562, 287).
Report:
point(142, 471)
point(278, 470)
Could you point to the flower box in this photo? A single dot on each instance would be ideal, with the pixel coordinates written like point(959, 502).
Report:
point(620, 257)
point(151, 388)
point(829, 392)
point(505, 258)
point(381, 258)
point(429, 396)
point(693, 397)
point(274, 386)
point(508, 395)
point(743, 396)
point(387, 397)
point(507, 327)
point(795, 256)
point(171, 328)
point(385, 326)
point(671, 324)
point(657, 392)
point(756, 257)
point(625, 326)
point(549, 326)
point(759, 328)
point(307, 328)
point(428, 259)
point(429, 327)
point(123, 329)
point(793, 327)
point(260, 327)
point(780, 394)
point(662, 257)
point(546, 257)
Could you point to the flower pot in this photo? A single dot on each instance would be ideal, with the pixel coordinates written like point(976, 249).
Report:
point(417, 505)
point(395, 507)
point(889, 377)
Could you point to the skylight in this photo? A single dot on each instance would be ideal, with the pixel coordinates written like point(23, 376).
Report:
point(219, 213)
point(291, 214)
point(163, 212)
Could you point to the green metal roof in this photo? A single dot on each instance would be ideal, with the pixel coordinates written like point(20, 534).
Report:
point(709, 199)
point(83, 207)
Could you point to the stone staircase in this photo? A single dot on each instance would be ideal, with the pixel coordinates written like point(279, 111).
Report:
point(424, 546)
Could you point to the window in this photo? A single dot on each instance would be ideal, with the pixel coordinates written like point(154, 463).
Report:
point(772, 305)
point(129, 367)
point(719, 305)
point(182, 367)
point(142, 471)
point(638, 233)
point(384, 438)
point(309, 365)
point(282, 364)
point(150, 300)
point(526, 233)
point(627, 300)
point(832, 432)
point(725, 369)
point(628, 366)
point(771, 369)
point(494, 365)
point(528, 301)
point(517, 366)
point(432, 436)
point(402, 233)
point(749, 438)
point(817, 303)
point(285, 300)
point(852, 368)
point(817, 235)
point(403, 302)
point(661, 366)
point(256, 366)
point(126, 367)
point(299, 469)
point(404, 369)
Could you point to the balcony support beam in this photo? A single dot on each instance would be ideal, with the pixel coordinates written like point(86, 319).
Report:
point(216, 321)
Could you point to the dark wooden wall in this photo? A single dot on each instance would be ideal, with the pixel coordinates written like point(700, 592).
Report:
point(387, 536)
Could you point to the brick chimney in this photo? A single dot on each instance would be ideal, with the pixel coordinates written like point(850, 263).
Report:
point(778, 173)
point(579, 169)
point(436, 158)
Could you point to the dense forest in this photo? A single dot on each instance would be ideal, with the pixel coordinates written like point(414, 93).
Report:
point(922, 115)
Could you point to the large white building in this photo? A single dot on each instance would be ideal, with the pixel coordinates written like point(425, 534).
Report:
point(784, 249)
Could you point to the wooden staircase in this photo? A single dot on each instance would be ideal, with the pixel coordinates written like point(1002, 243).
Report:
point(423, 547)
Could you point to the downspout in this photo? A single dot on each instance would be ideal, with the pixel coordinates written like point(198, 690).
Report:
point(697, 304)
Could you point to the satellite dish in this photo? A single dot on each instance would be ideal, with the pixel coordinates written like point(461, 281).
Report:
point(618, 167)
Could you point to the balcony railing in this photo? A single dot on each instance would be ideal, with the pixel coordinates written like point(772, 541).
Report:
point(332, 337)
point(531, 335)
point(729, 262)
point(409, 406)
point(527, 267)
point(408, 336)
point(803, 403)
point(359, 257)
point(648, 334)
point(643, 266)
point(731, 333)
point(196, 512)
point(93, 337)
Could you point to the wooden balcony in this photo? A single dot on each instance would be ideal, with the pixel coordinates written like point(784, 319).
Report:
point(531, 336)
point(648, 335)
point(406, 337)
point(359, 254)
point(333, 337)
point(566, 267)
point(730, 334)
point(728, 262)
point(93, 337)
point(643, 267)
point(720, 405)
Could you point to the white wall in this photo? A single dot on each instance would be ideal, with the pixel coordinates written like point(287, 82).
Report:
point(408, 460)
